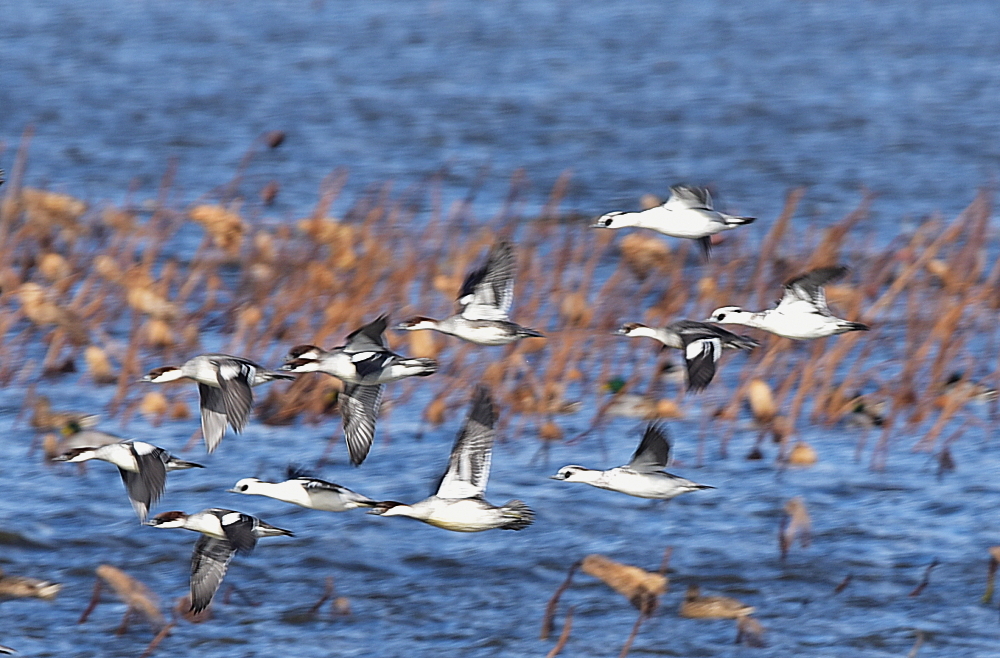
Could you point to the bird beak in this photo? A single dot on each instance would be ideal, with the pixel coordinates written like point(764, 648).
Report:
point(596, 225)
point(232, 491)
point(555, 477)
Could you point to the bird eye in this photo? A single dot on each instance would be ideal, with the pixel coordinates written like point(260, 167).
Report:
point(721, 316)
point(607, 221)
point(244, 487)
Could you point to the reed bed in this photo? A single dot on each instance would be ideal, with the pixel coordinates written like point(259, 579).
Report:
point(115, 290)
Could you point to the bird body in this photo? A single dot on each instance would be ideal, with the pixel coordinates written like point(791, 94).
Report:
point(464, 514)
point(143, 468)
point(224, 386)
point(642, 477)
point(688, 213)
point(802, 313)
point(459, 504)
point(224, 533)
point(484, 302)
point(364, 363)
point(702, 344)
point(20, 587)
point(480, 332)
point(305, 491)
point(696, 606)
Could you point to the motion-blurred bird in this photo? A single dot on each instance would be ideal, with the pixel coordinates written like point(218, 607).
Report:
point(688, 213)
point(802, 313)
point(484, 301)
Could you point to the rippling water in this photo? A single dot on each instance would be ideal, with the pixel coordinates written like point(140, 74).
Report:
point(632, 96)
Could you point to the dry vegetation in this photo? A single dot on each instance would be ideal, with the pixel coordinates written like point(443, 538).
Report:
point(114, 291)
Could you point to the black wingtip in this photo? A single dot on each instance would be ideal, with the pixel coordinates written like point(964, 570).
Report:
point(296, 471)
point(483, 411)
point(656, 429)
point(377, 327)
point(706, 246)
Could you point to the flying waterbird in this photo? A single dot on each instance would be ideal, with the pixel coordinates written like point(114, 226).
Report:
point(364, 363)
point(225, 386)
point(702, 344)
point(484, 304)
point(223, 534)
point(300, 488)
point(459, 503)
point(143, 468)
point(802, 313)
point(643, 476)
point(688, 213)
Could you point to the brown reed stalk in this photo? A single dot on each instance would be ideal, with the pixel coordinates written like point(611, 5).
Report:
point(828, 251)
point(770, 245)
point(635, 632)
point(564, 636)
point(550, 608)
point(12, 192)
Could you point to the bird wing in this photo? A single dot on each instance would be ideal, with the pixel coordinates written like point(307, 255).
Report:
point(809, 287)
point(701, 351)
point(371, 362)
point(488, 291)
point(296, 472)
point(369, 337)
point(315, 484)
point(234, 380)
point(213, 415)
point(209, 562)
point(359, 409)
point(469, 465)
point(653, 452)
point(145, 487)
point(704, 329)
point(239, 529)
point(688, 196)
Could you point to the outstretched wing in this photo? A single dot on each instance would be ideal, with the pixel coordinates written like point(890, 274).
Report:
point(358, 410)
point(239, 529)
point(234, 380)
point(469, 464)
point(213, 415)
point(145, 487)
point(700, 354)
point(689, 196)
point(653, 452)
point(488, 291)
point(209, 562)
point(369, 337)
point(371, 362)
point(809, 287)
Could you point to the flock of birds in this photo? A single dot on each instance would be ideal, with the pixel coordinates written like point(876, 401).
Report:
point(365, 364)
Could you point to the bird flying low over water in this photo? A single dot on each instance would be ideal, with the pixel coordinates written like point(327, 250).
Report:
point(459, 504)
point(643, 476)
point(364, 363)
point(143, 468)
point(302, 489)
point(484, 302)
point(802, 313)
point(224, 385)
point(688, 213)
point(223, 534)
point(702, 344)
